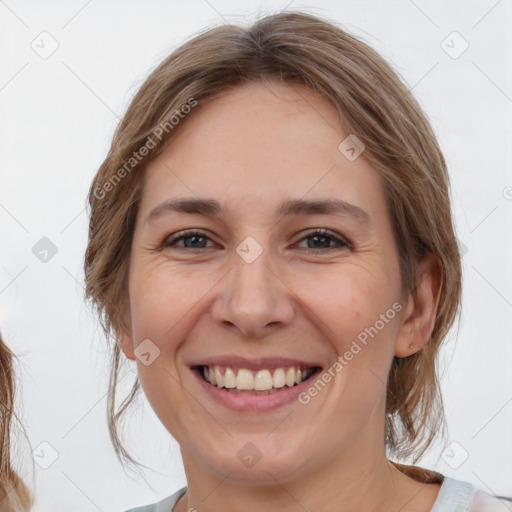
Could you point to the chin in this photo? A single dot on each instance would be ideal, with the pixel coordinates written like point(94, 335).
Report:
point(257, 461)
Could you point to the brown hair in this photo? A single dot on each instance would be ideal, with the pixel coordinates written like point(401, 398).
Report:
point(372, 102)
point(14, 495)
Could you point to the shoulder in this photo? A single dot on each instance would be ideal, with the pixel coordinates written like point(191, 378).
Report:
point(457, 495)
point(165, 505)
point(483, 502)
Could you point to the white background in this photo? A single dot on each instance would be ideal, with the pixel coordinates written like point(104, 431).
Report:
point(58, 116)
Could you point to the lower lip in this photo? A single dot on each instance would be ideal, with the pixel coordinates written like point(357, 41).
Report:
point(242, 402)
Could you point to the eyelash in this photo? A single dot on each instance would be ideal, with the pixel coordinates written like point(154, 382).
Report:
point(171, 241)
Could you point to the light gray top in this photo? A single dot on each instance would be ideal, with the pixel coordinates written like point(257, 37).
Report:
point(166, 505)
point(454, 496)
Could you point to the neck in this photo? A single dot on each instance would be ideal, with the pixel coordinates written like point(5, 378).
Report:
point(359, 479)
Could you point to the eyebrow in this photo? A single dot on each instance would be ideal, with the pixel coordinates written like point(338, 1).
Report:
point(211, 207)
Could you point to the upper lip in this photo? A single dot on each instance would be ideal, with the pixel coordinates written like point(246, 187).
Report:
point(254, 363)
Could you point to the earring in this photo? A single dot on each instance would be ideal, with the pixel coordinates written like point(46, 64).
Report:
point(411, 346)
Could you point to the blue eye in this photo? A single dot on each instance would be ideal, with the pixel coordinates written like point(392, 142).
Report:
point(198, 240)
point(319, 235)
point(195, 236)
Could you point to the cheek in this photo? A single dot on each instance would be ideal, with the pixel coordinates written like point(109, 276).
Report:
point(160, 300)
point(356, 308)
point(162, 304)
point(351, 303)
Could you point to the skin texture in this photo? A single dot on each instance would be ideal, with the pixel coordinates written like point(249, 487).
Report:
point(250, 148)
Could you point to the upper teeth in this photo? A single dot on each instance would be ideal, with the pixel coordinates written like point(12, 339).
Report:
point(260, 380)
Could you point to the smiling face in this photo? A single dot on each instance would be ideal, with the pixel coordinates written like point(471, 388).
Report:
point(255, 288)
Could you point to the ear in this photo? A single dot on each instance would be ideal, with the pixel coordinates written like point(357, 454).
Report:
point(419, 315)
point(125, 337)
point(127, 346)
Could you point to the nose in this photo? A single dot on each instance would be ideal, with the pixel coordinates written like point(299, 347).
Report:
point(253, 298)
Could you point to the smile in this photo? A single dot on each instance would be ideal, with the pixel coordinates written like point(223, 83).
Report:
point(255, 382)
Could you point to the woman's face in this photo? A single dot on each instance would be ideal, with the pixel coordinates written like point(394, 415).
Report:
point(256, 290)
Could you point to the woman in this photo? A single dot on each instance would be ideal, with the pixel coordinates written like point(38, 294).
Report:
point(271, 240)
point(14, 495)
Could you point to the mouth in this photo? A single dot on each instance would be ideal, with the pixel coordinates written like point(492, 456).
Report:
point(263, 381)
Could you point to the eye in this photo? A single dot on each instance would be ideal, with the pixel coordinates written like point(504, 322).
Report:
point(197, 240)
point(323, 237)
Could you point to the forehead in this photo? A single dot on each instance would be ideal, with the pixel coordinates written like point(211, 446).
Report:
point(256, 143)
